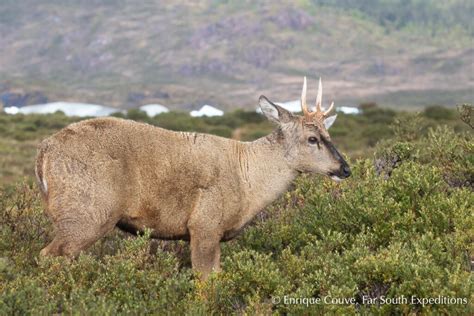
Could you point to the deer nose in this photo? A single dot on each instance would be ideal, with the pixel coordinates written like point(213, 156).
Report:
point(345, 171)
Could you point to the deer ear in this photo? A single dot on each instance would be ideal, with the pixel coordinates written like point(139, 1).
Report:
point(273, 112)
point(329, 121)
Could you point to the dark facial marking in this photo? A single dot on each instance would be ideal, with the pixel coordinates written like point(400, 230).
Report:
point(333, 150)
point(344, 171)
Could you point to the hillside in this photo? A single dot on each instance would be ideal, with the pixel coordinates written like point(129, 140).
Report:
point(126, 53)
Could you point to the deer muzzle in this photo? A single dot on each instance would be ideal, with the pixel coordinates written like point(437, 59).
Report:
point(341, 174)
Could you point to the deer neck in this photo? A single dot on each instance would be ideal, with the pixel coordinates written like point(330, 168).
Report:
point(266, 173)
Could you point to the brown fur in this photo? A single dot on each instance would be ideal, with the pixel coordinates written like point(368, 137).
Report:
point(100, 173)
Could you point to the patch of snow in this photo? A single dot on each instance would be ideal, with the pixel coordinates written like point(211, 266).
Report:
point(154, 109)
point(69, 109)
point(207, 110)
point(348, 110)
point(12, 110)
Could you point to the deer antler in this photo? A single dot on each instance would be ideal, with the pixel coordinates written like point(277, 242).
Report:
point(304, 107)
point(319, 98)
point(329, 110)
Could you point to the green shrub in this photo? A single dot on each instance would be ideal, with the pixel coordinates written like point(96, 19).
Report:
point(137, 115)
point(379, 115)
point(438, 112)
point(466, 114)
point(221, 131)
point(407, 231)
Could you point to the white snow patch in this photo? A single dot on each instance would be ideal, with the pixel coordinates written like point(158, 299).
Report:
point(12, 110)
point(207, 110)
point(154, 109)
point(348, 110)
point(69, 109)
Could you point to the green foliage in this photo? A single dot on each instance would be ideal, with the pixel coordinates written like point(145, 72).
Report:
point(406, 234)
point(136, 115)
point(439, 113)
point(466, 114)
point(26, 127)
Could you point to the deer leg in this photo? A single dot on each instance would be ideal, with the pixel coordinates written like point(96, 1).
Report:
point(205, 252)
point(206, 233)
point(76, 234)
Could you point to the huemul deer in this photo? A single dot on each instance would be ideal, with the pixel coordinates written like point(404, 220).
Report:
point(101, 173)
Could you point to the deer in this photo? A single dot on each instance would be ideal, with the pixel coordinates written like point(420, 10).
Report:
point(98, 174)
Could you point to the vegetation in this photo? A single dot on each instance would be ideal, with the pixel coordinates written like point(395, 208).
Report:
point(401, 226)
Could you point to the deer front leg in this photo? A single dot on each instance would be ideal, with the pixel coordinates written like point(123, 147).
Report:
point(206, 231)
point(205, 251)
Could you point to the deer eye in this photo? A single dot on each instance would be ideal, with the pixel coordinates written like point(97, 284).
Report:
point(313, 140)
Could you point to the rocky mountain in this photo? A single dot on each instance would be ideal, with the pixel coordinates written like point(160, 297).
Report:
point(185, 54)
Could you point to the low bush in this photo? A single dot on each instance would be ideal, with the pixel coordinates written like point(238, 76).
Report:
point(438, 112)
point(355, 245)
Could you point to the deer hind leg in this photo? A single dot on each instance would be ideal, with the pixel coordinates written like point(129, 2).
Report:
point(77, 233)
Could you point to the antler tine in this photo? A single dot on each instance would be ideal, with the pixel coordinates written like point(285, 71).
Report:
point(319, 97)
point(329, 110)
point(304, 107)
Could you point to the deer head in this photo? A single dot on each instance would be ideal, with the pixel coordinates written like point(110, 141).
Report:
point(305, 139)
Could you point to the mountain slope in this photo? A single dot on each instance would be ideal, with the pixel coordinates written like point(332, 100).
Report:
point(124, 53)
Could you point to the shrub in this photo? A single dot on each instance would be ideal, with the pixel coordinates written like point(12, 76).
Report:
point(366, 106)
point(137, 115)
point(408, 233)
point(438, 112)
point(379, 115)
point(466, 114)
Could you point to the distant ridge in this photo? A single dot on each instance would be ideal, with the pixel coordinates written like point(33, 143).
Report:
point(126, 53)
